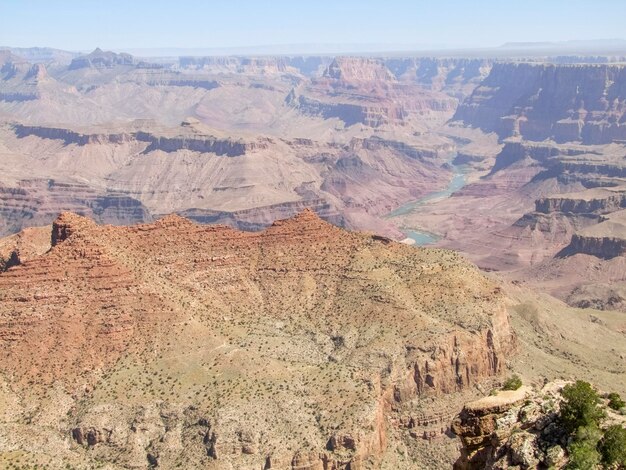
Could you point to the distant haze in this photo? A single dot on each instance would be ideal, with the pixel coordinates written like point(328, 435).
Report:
point(303, 26)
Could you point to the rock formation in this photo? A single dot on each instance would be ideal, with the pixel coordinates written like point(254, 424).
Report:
point(124, 174)
point(517, 429)
point(250, 349)
point(361, 90)
point(456, 76)
point(101, 59)
point(565, 103)
point(512, 428)
point(36, 202)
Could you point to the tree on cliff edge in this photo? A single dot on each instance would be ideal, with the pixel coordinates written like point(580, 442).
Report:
point(580, 407)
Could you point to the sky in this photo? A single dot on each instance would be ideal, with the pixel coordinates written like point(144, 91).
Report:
point(82, 25)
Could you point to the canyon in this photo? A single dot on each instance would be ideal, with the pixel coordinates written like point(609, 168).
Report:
point(201, 263)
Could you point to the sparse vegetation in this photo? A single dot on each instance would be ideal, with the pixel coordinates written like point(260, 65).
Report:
point(583, 454)
point(512, 383)
point(582, 417)
point(615, 401)
point(613, 446)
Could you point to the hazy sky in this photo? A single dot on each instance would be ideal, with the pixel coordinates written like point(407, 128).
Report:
point(128, 24)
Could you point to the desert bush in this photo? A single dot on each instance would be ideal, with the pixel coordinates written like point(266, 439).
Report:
point(512, 383)
point(615, 401)
point(583, 455)
point(613, 446)
point(583, 451)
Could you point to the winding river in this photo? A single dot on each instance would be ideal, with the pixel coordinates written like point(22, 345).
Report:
point(421, 237)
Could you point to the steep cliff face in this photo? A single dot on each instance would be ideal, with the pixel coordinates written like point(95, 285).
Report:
point(201, 144)
point(455, 76)
point(601, 247)
point(69, 136)
point(166, 143)
point(604, 201)
point(37, 202)
point(593, 166)
point(353, 113)
point(268, 349)
point(21, 81)
point(565, 103)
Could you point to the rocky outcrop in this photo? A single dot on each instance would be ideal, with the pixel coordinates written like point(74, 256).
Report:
point(601, 247)
point(165, 143)
point(545, 154)
point(607, 168)
point(69, 136)
point(101, 59)
point(200, 144)
point(353, 113)
point(591, 166)
point(68, 224)
point(559, 226)
point(608, 201)
point(12, 259)
point(23, 246)
point(19, 80)
point(363, 90)
point(36, 73)
point(514, 429)
point(611, 203)
point(37, 202)
point(565, 103)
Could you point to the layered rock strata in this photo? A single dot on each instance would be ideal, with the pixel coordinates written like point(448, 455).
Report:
point(286, 348)
point(565, 103)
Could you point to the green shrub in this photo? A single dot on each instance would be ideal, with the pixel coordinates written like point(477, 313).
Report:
point(613, 446)
point(580, 406)
point(583, 452)
point(615, 401)
point(583, 455)
point(512, 383)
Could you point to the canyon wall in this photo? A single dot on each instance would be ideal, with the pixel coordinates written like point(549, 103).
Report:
point(37, 202)
point(565, 103)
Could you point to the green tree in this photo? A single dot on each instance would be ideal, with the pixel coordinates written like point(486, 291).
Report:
point(613, 445)
point(580, 406)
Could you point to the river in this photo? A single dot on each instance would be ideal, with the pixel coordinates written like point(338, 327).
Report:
point(421, 237)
